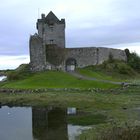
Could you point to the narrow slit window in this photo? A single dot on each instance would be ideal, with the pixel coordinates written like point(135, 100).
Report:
point(51, 28)
point(51, 41)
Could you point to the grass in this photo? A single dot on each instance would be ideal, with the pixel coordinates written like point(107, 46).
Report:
point(113, 131)
point(89, 119)
point(88, 71)
point(89, 101)
point(113, 71)
point(54, 79)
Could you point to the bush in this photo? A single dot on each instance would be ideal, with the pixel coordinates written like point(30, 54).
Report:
point(133, 60)
point(118, 66)
point(123, 68)
point(13, 76)
point(21, 72)
point(110, 58)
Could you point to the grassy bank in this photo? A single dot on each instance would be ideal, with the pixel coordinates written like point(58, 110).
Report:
point(89, 101)
point(113, 131)
point(114, 105)
point(114, 71)
point(101, 109)
point(53, 79)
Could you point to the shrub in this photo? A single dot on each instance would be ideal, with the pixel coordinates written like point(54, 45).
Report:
point(13, 76)
point(133, 60)
point(118, 66)
point(110, 57)
point(123, 68)
point(21, 72)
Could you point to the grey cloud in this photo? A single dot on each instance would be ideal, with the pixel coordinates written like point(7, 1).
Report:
point(121, 24)
point(127, 31)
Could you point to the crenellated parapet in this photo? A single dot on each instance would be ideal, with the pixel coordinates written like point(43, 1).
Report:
point(51, 29)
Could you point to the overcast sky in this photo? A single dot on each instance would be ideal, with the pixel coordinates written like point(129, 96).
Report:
point(110, 23)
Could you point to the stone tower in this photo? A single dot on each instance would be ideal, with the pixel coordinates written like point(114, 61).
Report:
point(51, 32)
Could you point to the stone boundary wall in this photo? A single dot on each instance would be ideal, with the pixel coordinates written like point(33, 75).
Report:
point(93, 55)
point(83, 56)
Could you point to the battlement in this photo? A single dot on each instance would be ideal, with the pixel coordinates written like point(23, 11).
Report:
point(51, 29)
point(50, 19)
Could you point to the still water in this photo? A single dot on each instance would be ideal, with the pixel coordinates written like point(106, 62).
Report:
point(2, 78)
point(34, 123)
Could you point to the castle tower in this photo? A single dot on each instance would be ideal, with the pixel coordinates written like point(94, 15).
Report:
point(51, 33)
point(51, 30)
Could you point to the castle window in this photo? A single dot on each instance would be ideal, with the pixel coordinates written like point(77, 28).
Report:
point(51, 28)
point(51, 41)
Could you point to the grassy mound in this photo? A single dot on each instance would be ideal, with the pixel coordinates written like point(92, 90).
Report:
point(53, 79)
point(114, 70)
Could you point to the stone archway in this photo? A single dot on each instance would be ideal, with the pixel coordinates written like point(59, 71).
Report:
point(70, 64)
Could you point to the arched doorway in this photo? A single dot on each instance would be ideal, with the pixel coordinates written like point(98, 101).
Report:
point(70, 64)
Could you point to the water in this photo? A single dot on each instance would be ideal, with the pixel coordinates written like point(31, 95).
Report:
point(34, 123)
point(2, 78)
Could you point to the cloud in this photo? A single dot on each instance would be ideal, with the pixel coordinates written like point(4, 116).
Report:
point(12, 62)
point(88, 22)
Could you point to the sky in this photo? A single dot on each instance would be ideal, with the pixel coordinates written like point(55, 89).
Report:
point(100, 23)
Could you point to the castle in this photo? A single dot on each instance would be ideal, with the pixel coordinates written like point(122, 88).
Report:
point(48, 52)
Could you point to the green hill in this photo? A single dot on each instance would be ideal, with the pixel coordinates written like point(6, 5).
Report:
point(53, 79)
point(115, 70)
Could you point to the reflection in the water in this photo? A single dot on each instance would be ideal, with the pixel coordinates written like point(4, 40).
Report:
point(71, 111)
point(49, 124)
point(3, 78)
point(37, 123)
point(15, 123)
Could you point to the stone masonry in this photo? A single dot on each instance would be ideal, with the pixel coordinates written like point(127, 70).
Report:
point(51, 31)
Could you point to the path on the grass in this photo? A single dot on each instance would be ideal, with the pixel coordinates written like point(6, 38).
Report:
point(78, 75)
